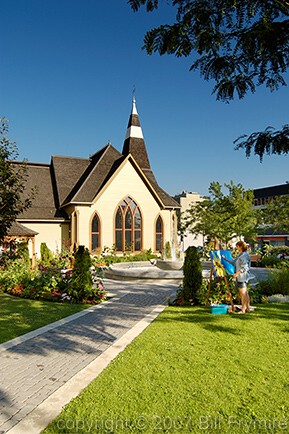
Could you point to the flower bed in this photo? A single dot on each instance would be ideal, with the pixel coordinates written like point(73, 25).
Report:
point(49, 282)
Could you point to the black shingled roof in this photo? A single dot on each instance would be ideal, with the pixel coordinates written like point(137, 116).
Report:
point(17, 229)
point(276, 190)
point(77, 180)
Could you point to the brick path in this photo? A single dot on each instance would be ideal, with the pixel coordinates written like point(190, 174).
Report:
point(41, 362)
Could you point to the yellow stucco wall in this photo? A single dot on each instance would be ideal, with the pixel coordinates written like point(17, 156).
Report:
point(53, 234)
point(127, 182)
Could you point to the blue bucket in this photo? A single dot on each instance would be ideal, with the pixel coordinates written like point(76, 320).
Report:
point(219, 309)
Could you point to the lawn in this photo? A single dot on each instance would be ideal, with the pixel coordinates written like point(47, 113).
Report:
point(192, 372)
point(19, 316)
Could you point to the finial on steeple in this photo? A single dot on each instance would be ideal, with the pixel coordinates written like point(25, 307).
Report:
point(134, 110)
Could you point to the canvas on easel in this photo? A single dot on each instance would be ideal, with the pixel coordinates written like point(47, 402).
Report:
point(220, 268)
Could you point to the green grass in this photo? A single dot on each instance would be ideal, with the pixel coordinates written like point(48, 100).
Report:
point(192, 372)
point(19, 316)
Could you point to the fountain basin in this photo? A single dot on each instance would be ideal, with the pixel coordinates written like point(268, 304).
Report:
point(147, 271)
point(142, 270)
point(170, 264)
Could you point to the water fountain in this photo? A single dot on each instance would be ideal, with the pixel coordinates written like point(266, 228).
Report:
point(167, 269)
point(172, 263)
point(143, 270)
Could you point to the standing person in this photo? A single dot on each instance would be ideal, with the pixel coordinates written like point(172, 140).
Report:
point(242, 265)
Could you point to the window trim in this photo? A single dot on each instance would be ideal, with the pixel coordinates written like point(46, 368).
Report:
point(123, 230)
point(159, 217)
point(95, 214)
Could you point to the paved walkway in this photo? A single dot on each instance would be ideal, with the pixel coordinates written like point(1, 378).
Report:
point(43, 370)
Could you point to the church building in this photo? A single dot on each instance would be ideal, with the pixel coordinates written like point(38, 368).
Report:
point(110, 200)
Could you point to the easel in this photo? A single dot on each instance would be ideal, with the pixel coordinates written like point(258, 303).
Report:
point(227, 286)
point(217, 247)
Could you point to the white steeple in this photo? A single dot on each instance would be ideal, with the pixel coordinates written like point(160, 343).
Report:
point(134, 129)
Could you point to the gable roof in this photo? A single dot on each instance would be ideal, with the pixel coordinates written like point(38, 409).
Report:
point(102, 165)
point(66, 172)
point(17, 229)
point(44, 204)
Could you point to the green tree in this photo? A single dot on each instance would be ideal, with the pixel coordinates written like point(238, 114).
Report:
point(276, 214)
point(224, 217)
point(240, 44)
point(13, 197)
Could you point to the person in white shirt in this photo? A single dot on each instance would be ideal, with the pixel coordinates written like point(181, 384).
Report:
point(242, 264)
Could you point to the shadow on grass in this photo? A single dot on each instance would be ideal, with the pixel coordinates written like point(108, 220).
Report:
point(200, 316)
point(273, 313)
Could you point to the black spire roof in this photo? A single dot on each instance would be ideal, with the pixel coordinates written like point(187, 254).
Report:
point(134, 143)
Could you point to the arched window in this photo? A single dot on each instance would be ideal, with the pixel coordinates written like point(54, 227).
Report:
point(128, 226)
point(95, 233)
point(159, 234)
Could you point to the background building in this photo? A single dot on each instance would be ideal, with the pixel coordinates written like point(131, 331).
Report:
point(262, 197)
point(186, 199)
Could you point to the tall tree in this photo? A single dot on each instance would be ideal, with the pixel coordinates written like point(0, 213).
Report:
point(13, 197)
point(276, 214)
point(224, 217)
point(239, 44)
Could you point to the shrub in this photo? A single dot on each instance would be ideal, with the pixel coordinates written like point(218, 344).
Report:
point(270, 261)
point(284, 264)
point(46, 254)
point(255, 293)
point(111, 258)
point(278, 298)
point(98, 293)
point(168, 251)
point(219, 291)
point(184, 299)
point(280, 250)
point(13, 251)
point(13, 273)
point(23, 253)
point(192, 281)
point(276, 283)
point(81, 284)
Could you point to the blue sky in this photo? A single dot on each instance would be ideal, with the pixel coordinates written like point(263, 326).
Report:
point(67, 72)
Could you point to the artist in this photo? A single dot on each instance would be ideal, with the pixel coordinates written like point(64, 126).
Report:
point(242, 264)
